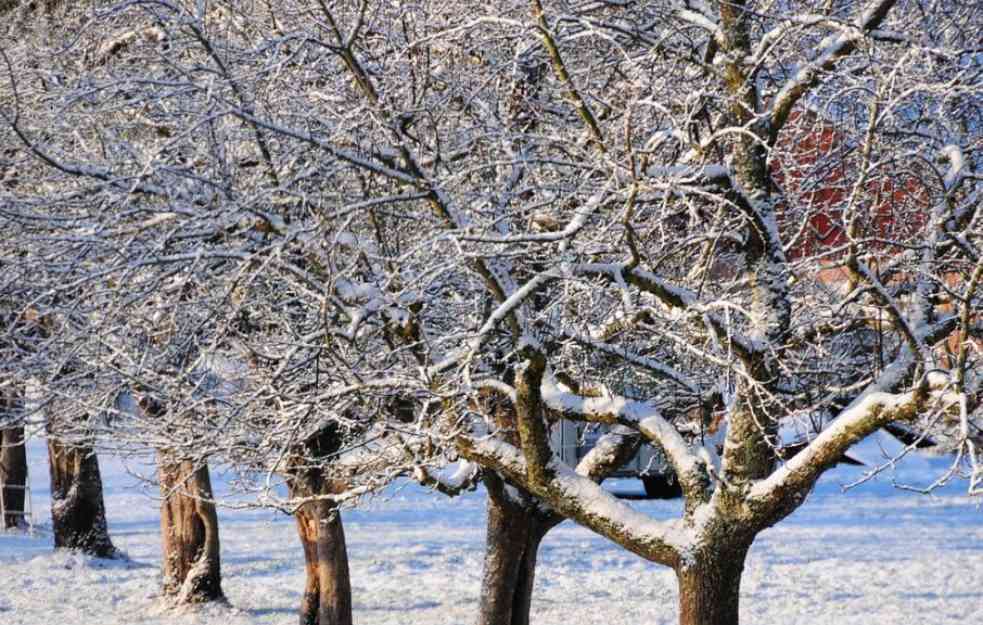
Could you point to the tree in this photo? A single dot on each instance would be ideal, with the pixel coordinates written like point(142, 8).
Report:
point(18, 334)
point(13, 472)
point(517, 522)
point(327, 591)
point(189, 531)
point(366, 207)
point(78, 514)
point(188, 525)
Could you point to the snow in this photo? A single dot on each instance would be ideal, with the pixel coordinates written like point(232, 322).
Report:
point(872, 555)
point(608, 408)
point(957, 165)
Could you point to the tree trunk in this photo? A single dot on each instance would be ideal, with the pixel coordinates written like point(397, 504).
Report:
point(709, 588)
point(515, 530)
point(78, 514)
point(327, 596)
point(189, 533)
point(13, 478)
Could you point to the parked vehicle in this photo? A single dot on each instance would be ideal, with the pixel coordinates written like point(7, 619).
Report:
point(572, 441)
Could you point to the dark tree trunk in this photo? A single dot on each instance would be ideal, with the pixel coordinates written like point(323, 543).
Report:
point(327, 596)
point(516, 527)
point(327, 591)
point(78, 514)
point(13, 478)
point(189, 533)
point(709, 587)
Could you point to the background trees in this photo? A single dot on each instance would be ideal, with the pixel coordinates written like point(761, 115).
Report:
point(13, 477)
point(719, 225)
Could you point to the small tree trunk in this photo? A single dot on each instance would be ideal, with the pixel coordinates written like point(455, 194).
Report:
point(709, 589)
point(515, 530)
point(13, 477)
point(327, 591)
point(307, 525)
point(78, 514)
point(189, 533)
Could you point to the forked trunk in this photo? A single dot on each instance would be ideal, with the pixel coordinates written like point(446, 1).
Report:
point(189, 533)
point(709, 589)
point(515, 530)
point(78, 514)
point(13, 478)
point(327, 591)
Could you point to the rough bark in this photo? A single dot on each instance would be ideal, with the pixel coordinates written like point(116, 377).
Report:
point(307, 526)
point(327, 590)
point(78, 514)
point(516, 527)
point(709, 587)
point(189, 533)
point(13, 477)
point(518, 522)
point(327, 596)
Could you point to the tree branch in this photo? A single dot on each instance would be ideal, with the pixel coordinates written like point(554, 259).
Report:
point(579, 498)
point(867, 414)
point(831, 50)
point(640, 416)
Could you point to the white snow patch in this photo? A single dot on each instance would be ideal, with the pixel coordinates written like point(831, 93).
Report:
point(872, 555)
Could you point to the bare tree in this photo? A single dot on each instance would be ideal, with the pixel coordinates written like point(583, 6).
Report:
point(715, 224)
point(19, 334)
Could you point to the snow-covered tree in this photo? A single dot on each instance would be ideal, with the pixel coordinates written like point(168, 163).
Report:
point(440, 229)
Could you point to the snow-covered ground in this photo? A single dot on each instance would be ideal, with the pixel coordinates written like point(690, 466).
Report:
point(873, 555)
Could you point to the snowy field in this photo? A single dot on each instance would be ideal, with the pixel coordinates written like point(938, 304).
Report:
point(873, 555)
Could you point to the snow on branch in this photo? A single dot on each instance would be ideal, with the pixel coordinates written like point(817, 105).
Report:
point(584, 501)
point(572, 228)
point(675, 297)
point(651, 365)
point(867, 414)
point(699, 19)
point(830, 50)
point(610, 452)
point(464, 479)
point(642, 416)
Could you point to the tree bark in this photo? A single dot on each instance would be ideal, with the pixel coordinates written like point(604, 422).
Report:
point(189, 533)
point(78, 514)
point(709, 587)
point(327, 596)
point(327, 591)
point(13, 478)
point(516, 527)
